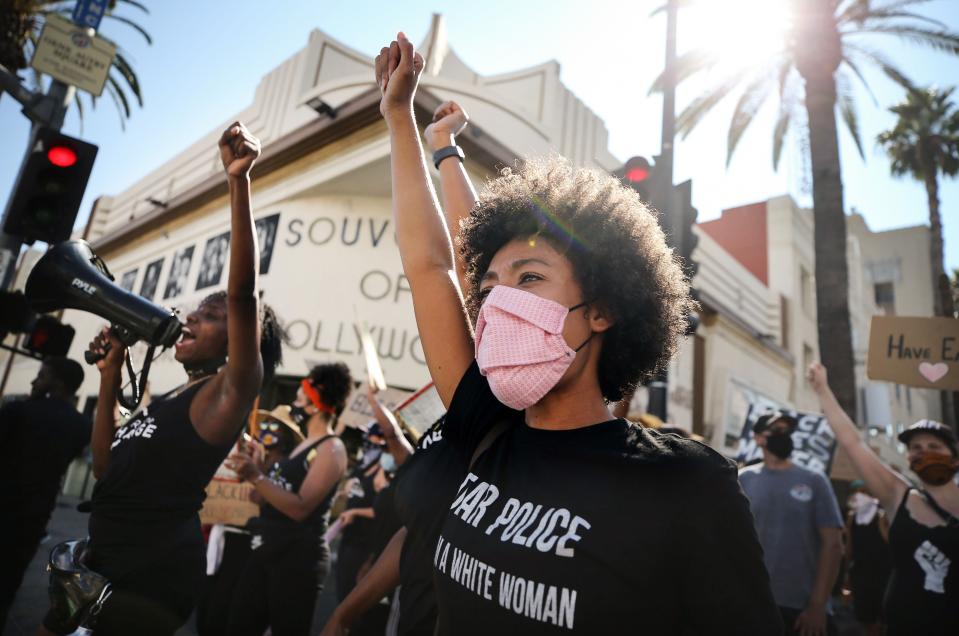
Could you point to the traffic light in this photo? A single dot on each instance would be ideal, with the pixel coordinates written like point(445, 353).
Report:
point(683, 217)
point(50, 187)
point(49, 337)
point(638, 174)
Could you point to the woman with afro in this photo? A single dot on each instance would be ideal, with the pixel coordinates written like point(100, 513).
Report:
point(290, 558)
point(567, 520)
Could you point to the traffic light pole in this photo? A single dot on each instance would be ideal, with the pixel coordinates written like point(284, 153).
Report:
point(47, 110)
point(659, 387)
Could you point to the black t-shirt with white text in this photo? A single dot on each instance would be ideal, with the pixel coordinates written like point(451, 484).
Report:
point(594, 530)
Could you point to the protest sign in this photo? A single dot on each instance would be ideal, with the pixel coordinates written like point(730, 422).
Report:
point(919, 352)
point(422, 409)
point(228, 501)
point(814, 442)
point(358, 412)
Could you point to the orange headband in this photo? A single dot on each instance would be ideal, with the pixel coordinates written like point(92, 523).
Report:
point(314, 396)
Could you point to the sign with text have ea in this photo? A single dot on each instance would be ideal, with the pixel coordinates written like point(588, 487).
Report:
point(918, 352)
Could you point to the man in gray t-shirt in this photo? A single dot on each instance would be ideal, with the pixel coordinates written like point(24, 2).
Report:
point(799, 526)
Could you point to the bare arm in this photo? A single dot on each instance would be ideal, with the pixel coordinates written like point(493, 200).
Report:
point(424, 242)
point(396, 443)
point(325, 471)
point(382, 577)
point(215, 414)
point(105, 421)
point(881, 480)
point(812, 621)
point(457, 191)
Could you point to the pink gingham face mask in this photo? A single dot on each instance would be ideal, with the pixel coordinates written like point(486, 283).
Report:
point(520, 346)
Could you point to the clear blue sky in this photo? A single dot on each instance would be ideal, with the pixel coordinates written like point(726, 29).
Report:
point(208, 57)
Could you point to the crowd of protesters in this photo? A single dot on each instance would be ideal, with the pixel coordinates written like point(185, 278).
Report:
point(531, 507)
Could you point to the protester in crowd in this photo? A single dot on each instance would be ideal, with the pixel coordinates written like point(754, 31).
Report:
point(434, 468)
point(923, 592)
point(395, 441)
point(228, 546)
point(290, 558)
point(799, 525)
point(581, 299)
point(867, 545)
point(39, 437)
point(152, 471)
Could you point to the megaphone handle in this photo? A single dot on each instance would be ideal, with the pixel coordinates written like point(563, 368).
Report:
point(92, 358)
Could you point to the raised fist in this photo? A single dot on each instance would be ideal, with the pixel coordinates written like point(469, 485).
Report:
point(109, 349)
point(238, 150)
point(449, 120)
point(397, 71)
point(936, 566)
point(816, 374)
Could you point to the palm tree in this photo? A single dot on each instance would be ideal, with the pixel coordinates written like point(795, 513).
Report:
point(825, 48)
point(924, 143)
point(21, 22)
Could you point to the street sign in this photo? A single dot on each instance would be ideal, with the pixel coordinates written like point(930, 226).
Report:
point(66, 52)
point(919, 352)
point(88, 13)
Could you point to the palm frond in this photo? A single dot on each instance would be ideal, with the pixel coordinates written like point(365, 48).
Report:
point(138, 5)
point(134, 25)
point(891, 70)
point(682, 4)
point(116, 95)
point(115, 85)
point(941, 40)
point(846, 102)
point(126, 71)
point(854, 67)
point(749, 103)
point(687, 65)
point(862, 16)
point(693, 113)
point(779, 132)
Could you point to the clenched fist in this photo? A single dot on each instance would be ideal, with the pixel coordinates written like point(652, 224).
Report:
point(397, 71)
point(449, 120)
point(238, 150)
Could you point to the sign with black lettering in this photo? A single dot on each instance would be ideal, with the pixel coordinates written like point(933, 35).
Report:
point(919, 352)
point(228, 501)
point(814, 444)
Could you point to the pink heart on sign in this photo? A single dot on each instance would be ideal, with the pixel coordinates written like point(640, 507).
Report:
point(933, 372)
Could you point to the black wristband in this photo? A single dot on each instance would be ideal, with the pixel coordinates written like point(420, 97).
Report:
point(448, 151)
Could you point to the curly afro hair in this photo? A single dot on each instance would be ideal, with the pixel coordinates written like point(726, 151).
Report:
point(617, 250)
point(334, 382)
point(272, 334)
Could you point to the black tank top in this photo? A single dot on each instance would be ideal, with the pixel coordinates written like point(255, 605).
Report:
point(870, 554)
point(158, 472)
point(923, 592)
point(290, 473)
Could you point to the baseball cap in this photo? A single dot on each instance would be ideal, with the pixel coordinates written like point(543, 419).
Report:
point(932, 427)
point(769, 418)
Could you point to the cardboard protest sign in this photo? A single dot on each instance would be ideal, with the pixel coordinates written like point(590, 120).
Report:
point(919, 352)
point(422, 409)
point(358, 412)
point(228, 501)
point(814, 442)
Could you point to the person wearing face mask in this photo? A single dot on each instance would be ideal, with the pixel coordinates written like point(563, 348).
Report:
point(867, 538)
point(290, 558)
point(799, 525)
point(923, 592)
point(576, 298)
point(39, 437)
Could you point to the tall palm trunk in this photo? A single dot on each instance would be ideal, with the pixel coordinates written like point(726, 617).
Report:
point(817, 62)
point(832, 277)
point(941, 291)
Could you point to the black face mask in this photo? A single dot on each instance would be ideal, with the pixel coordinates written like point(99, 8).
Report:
point(780, 444)
point(301, 417)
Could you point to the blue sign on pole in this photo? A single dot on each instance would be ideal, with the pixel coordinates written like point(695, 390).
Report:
point(88, 13)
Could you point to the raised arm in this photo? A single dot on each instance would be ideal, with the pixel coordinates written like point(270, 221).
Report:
point(233, 391)
point(882, 481)
point(422, 235)
point(326, 469)
point(396, 443)
point(456, 189)
point(107, 414)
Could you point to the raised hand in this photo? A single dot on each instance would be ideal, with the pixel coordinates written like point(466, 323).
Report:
point(243, 465)
point(449, 120)
point(112, 350)
point(397, 70)
point(817, 376)
point(238, 150)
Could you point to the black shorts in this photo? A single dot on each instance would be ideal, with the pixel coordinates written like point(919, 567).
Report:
point(868, 589)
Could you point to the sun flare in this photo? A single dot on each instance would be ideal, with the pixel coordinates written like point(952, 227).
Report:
point(744, 33)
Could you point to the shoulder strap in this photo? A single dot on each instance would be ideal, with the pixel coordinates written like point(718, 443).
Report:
point(306, 451)
point(498, 429)
point(942, 512)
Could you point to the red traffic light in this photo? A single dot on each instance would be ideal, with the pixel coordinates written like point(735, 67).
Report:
point(635, 175)
point(637, 170)
point(61, 156)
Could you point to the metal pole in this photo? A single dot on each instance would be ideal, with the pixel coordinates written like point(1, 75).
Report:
point(659, 387)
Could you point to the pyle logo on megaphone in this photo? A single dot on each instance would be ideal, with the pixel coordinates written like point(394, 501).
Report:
point(84, 285)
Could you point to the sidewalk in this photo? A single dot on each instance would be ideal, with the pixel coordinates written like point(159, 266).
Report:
point(66, 523)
